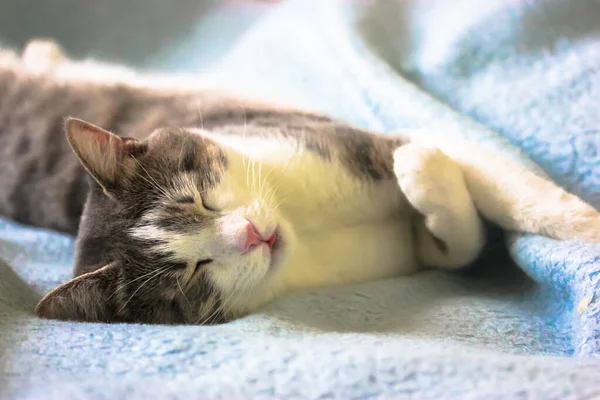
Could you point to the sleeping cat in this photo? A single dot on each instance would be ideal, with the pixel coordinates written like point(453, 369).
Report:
point(210, 206)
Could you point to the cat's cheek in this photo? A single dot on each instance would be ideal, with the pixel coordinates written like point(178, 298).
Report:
point(238, 271)
point(223, 278)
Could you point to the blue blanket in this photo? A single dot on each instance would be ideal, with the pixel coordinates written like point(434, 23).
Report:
point(508, 72)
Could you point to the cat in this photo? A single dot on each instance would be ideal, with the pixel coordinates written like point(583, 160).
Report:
point(210, 206)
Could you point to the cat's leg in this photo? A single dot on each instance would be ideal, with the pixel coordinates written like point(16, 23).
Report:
point(42, 55)
point(512, 196)
point(449, 232)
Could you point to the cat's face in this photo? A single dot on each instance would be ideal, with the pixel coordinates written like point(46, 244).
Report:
point(177, 229)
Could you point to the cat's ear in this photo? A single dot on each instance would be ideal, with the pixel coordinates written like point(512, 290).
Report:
point(85, 298)
point(106, 156)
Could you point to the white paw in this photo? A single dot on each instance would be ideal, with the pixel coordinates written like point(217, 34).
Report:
point(429, 179)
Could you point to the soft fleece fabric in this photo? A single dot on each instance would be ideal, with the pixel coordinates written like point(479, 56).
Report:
point(522, 71)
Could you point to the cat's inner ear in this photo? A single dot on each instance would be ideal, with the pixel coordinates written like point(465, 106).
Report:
point(85, 298)
point(106, 156)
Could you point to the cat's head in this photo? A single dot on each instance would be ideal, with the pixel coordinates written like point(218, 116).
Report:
point(177, 228)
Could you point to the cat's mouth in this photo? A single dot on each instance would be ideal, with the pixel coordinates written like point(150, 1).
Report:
point(271, 241)
point(272, 244)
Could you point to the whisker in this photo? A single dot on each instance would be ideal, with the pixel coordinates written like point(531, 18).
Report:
point(159, 272)
point(273, 192)
point(147, 173)
point(200, 114)
point(231, 296)
point(133, 280)
point(209, 317)
point(250, 291)
point(260, 182)
point(253, 177)
point(222, 306)
point(269, 174)
point(274, 187)
point(138, 174)
point(257, 178)
point(181, 154)
point(247, 168)
point(181, 290)
point(245, 158)
point(151, 181)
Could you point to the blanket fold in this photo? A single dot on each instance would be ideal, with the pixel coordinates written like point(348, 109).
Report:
point(530, 72)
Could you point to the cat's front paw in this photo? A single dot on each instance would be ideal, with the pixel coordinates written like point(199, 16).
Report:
point(42, 55)
point(429, 179)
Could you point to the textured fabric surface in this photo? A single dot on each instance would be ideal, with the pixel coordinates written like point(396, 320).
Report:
point(494, 333)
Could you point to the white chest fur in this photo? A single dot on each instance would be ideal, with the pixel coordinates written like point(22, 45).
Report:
point(347, 229)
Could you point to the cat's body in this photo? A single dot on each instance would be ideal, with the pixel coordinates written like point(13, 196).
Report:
point(231, 203)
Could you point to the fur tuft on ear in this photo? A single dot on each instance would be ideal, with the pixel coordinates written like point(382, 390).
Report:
point(84, 298)
point(102, 153)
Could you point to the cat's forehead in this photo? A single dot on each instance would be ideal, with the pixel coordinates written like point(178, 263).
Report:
point(184, 150)
point(168, 141)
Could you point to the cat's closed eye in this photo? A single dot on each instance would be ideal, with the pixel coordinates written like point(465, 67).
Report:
point(206, 206)
point(185, 200)
point(191, 200)
point(202, 263)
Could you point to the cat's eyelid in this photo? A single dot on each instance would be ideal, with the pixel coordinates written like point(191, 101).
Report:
point(192, 200)
point(206, 207)
point(202, 263)
point(186, 200)
point(180, 266)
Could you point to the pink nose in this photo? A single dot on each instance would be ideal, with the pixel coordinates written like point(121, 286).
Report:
point(252, 238)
